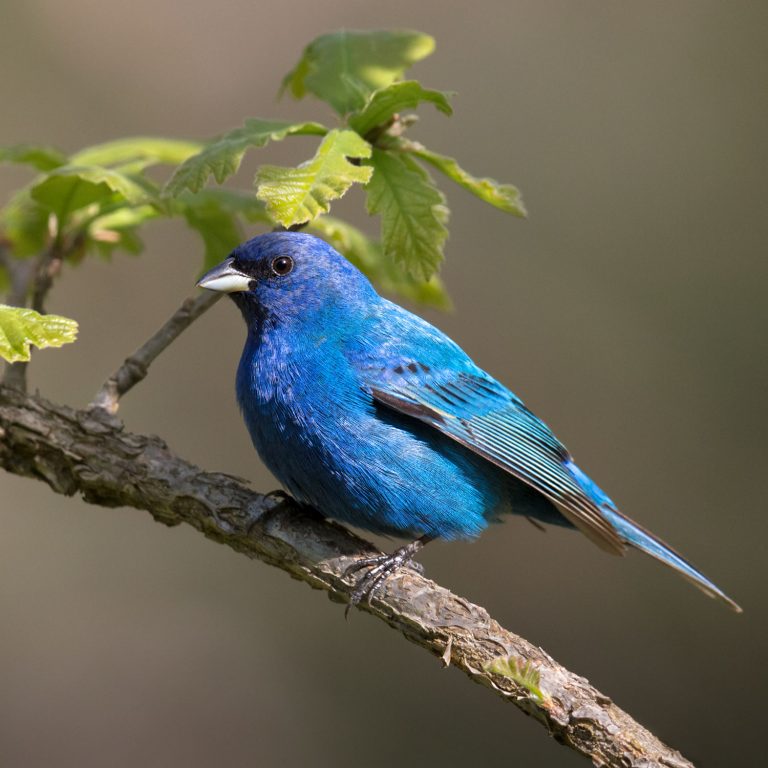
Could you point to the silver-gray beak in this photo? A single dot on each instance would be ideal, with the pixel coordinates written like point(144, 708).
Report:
point(225, 278)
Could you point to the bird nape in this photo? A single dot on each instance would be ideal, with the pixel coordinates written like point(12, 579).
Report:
point(371, 415)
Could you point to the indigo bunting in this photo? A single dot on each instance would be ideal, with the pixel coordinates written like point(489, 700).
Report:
point(371, 415)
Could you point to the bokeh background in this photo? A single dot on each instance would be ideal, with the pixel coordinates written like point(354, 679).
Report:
point(629, 311)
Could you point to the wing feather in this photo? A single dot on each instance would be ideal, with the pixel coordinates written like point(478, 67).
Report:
point(485, 417)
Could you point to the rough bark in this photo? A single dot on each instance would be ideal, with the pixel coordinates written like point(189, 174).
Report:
point(89, 452)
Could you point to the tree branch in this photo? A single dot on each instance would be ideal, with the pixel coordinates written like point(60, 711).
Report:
point(35, 277)
point(21, 273)
point(47, 270)
point(136, 367)
point(89, 453)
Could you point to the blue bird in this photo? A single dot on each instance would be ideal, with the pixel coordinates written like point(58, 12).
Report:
point(371, 415)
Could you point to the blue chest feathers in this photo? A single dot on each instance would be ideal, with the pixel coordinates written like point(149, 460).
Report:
point(321, 435)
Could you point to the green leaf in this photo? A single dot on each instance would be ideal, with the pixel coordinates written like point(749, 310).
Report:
point(343, 68)
point(72, 187)
point(118, 230)
point(235, 201)
point(413, 212)
point(216, 215)
point(144, 150)
point(24, 224)
point(297, 195)
point(429, 293)
point(385, 103)
point(40, 157)
point(222, 157)
point(503, 196)
point(215, 220)
point(21, 327)
point(123, 218)
point(368, 256)
point(522, 672)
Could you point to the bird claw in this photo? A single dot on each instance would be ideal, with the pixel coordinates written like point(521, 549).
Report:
point(381, 568)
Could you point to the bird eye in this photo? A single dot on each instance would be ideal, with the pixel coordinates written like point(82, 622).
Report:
point(282, 265)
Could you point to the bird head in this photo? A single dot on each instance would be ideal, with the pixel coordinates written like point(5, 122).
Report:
point(288, 276)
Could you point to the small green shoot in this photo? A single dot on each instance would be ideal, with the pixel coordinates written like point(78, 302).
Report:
point(519, 670)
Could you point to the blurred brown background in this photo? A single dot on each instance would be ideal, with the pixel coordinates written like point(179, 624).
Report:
point(629, 311)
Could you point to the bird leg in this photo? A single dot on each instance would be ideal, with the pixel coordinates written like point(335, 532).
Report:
point(381, 568)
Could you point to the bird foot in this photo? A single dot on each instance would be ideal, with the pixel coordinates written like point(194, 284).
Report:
point(381, 568)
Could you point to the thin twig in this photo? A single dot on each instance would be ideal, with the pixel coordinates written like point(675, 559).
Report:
point(136, 367)
point(36, 277)
point(22, 274)
point(16, 376)
point(47, 270)
point(89, 453)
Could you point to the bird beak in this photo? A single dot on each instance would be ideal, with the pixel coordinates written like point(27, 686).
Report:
point(225, 278)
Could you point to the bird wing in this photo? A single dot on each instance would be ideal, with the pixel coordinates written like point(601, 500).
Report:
point(471, 407)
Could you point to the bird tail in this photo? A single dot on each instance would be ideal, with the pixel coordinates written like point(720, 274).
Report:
point(637, 536)
point(652, 545)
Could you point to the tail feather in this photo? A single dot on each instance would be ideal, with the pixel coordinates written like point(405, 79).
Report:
point(637, 536)
point(652, 545)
